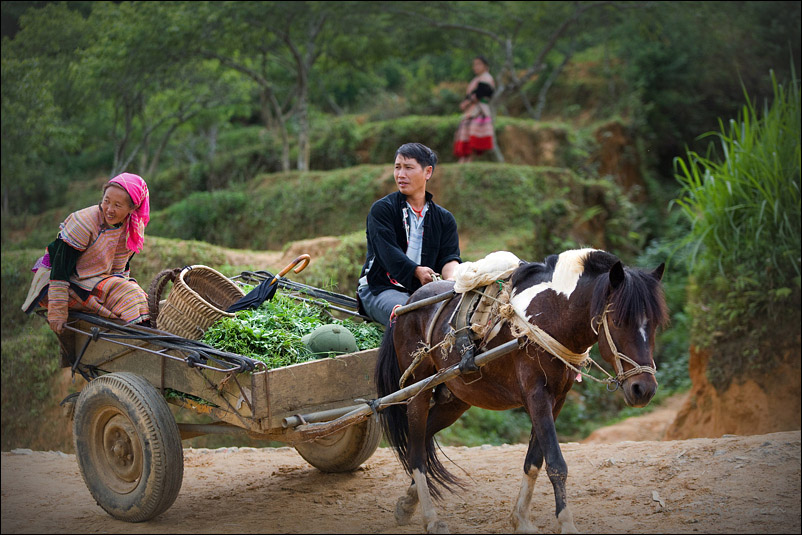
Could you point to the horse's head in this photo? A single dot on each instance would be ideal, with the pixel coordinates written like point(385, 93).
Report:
point(627, 308)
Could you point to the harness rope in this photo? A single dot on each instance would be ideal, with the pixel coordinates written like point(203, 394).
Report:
point(621, 374)
point(519, 326)
point(575, 361)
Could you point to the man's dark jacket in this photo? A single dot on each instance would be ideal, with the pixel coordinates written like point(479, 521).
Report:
point(387, 243)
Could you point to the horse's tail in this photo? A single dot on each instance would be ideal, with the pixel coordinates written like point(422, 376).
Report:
point(395, 423)
point(393, 418)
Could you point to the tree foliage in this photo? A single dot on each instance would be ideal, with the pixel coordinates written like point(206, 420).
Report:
point(93, 88)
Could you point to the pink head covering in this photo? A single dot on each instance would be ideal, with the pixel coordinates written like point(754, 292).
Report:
point(140, 217)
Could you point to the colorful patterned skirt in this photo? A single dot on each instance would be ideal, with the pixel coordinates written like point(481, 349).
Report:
point(113, 297)
point(475, 131)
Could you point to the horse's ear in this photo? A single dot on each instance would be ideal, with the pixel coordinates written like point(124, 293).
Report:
point(616, 274)
point(658, 272)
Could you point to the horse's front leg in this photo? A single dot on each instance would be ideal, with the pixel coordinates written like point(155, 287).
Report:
point(533, 462)
point(417, 413)
point(540, 407)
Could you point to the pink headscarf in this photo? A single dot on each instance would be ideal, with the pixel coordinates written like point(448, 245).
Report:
point(140, 217)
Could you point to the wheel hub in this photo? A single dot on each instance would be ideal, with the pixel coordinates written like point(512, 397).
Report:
point(122, 453)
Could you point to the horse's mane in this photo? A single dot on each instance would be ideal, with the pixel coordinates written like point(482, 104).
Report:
point(639, 297)
point(595, 263)
point(540, 270)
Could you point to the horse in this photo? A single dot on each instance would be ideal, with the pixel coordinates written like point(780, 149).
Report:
point(578, 298)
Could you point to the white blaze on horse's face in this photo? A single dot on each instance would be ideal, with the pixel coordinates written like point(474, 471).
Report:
point(644, 332)
point(569, 267)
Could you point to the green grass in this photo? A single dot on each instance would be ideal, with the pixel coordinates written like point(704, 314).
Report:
point(744, 204)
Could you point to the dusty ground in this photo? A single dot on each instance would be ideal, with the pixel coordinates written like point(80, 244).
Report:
point(732, 484)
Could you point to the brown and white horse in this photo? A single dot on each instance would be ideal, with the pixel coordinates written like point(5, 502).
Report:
point(579, 298)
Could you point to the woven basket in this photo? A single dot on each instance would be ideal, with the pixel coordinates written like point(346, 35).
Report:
point(200, 297)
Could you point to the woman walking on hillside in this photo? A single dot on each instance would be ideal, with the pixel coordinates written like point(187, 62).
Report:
point(87, 267)
point(474, 134)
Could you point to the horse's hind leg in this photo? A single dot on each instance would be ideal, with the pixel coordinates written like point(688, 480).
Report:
point(406, 505)
point(417, 414)
point(521, 521)
point(445, 412)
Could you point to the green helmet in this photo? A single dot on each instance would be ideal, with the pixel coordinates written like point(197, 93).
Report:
point(330, 339)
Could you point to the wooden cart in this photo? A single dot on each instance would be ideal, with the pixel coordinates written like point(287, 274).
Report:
point(128, 443)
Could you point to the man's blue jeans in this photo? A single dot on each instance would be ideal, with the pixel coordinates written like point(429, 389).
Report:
point(379, 307)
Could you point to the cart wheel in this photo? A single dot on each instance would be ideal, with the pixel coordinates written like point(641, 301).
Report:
point(128, 447)
point(345, 450)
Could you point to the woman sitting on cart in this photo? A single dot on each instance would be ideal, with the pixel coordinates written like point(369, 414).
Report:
point(86, 267)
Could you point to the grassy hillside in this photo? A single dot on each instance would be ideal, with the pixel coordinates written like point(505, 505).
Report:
point(534, 210)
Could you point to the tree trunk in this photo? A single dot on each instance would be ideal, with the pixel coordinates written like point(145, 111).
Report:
point(496, 150)
point(541, 97)
point(304, 150)
point(154, 161)
point(267, 96)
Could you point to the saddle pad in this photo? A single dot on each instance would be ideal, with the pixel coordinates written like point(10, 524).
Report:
point(474, 310)
point(482, 318)
point(495, 266)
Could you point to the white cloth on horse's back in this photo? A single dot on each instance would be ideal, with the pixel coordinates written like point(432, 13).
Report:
point(496, 265)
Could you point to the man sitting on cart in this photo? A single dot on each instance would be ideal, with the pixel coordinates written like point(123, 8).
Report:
point(411, 240)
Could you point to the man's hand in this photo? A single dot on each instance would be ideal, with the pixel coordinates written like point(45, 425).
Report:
point(424, 274)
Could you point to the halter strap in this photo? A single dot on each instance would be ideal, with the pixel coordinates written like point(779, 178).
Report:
point(619, 369)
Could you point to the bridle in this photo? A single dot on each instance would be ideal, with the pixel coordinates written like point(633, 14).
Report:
point(618, 356)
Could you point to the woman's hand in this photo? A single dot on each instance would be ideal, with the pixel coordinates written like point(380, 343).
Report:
point(57, 326)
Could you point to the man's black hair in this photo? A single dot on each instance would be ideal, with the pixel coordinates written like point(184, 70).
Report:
point(419, 152)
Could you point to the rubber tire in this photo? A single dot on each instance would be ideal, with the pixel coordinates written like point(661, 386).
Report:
point(345, 450)
point(128, 447)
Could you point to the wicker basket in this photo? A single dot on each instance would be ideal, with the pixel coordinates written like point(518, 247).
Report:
point(200, 297)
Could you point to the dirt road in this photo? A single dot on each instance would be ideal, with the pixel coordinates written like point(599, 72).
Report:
point(733, 484)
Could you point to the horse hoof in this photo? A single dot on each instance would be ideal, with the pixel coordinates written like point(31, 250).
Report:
point(438, 526)
point(404, 511)
point(566, 520)
point(522, 527)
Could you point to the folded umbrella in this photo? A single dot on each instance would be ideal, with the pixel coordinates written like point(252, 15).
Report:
point(267, 289)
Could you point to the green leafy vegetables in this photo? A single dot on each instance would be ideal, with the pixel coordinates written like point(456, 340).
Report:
point(272, 333)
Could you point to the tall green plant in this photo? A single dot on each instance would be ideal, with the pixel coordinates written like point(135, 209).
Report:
point(744, 209)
